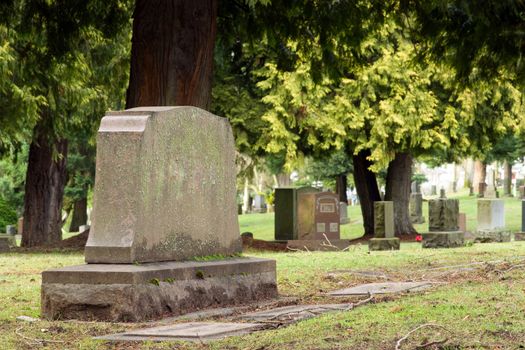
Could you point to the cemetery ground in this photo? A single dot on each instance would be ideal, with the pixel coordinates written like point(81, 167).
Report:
point(478, 304)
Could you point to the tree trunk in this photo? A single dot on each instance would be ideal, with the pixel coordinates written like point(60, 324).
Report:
point(398, 179)
point(480, 175)
point(367, 189)
point(172, 53)
point(44, 191)
point(79, 215)
point(340, 187)
point(507, 181)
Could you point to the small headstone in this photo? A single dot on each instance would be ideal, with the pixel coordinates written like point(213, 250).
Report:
point(259, 204)
point(10, 230)
point(433, 190)
point(6, 242)
point(383, 227)
point(481, 189)
point(442, 194)
point(443, 225)
point(491, 221)
point(382, 288)
point(343, 211)
point(416, 208)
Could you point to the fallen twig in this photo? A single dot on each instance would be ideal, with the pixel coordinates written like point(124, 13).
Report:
point(36, 340)
point(329, 243)
point(361, 302)
point(405, 337)
point(429, 344)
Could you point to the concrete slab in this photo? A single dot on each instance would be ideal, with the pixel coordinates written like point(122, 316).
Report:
point(193, 331)
point(382, 288)
point(294, 312)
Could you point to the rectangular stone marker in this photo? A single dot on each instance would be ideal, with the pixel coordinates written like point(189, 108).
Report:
point(160, 173)
point(443, 224)
point(382, 288)
point(383, 227)
point(6, 242)
point(286, 212)
point(491, 221)
point(416, 208)
point(193, 331)
point(327, 216)
point(343, 211)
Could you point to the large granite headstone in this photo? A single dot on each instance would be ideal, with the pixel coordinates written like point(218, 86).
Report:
point(160, 173)
point(416, 208)
point(443, 225)
point(491, 221)
point(383, 227)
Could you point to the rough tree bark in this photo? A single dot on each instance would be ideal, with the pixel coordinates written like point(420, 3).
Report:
point(44, 191)
point(507, 181)
point(79, 215)
point(367, 189)
point(340, 187)
point(398, 180)
point(172, 53)
point(480, 175)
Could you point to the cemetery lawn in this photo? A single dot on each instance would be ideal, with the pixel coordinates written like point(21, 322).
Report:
point(480, 305)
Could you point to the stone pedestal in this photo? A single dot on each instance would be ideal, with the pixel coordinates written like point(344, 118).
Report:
point(492, 236)
point(491, 221)
point(6, 242)
point(443, 225)
point(164, 196)
point(383, 227)
point(384, 243)
point(443, 239)
point(134, 293)
point(416, 208)
point(519, 236)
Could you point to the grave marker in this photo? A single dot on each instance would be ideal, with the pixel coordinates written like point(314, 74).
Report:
point(160, 173)
point(383, 227)
point(416, 208)
point(491, 221)
point(443, 225)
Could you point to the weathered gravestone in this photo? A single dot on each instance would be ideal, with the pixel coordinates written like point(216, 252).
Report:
point(416, 208)
point(491, 221)
point(10, 230)
point(383, 227)
point(305, 217)
point(259, 204)
point(343, 211)
point(160, 173)
point(6, 242)
point(443, 225)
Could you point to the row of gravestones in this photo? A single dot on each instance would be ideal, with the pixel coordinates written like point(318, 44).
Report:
point(444, 224)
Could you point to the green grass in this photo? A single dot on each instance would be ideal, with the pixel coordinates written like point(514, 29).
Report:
point(479, 307)
point(262, 225)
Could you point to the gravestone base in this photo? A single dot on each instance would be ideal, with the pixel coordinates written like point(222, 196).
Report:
point(492, 236)
point(6, 242)
point(450, 239)
point(383, 243)
point(519, 236)
point(132, 293)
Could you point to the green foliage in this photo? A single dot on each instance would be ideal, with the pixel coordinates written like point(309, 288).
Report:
point(419, 178)
point(7, 214)
point(12, 177)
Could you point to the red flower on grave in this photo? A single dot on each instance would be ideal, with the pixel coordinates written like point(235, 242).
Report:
point(419, 238)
